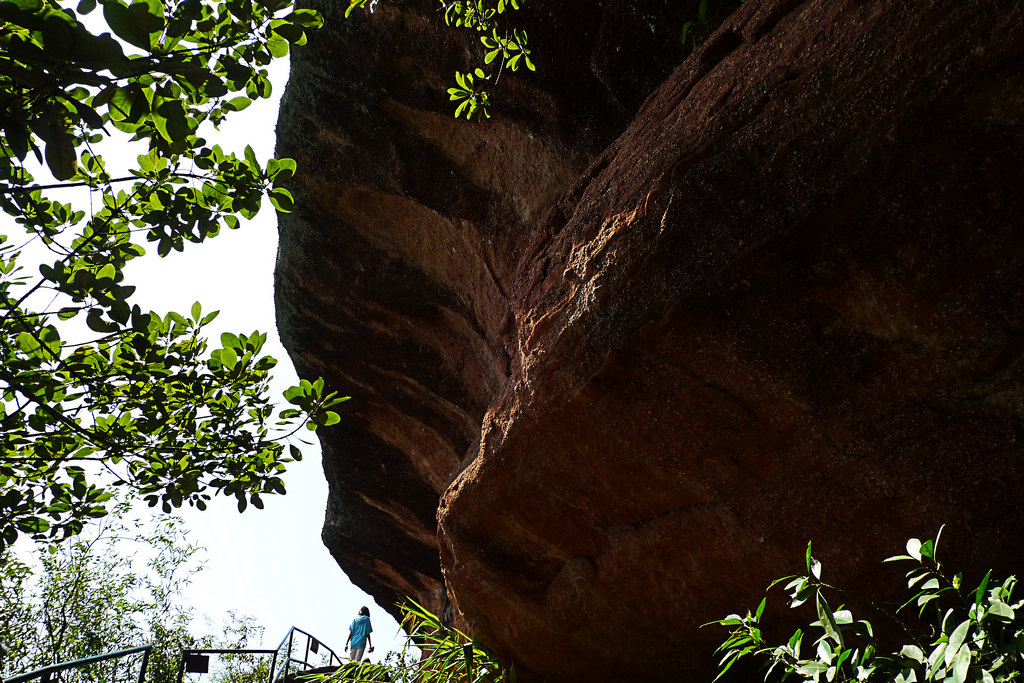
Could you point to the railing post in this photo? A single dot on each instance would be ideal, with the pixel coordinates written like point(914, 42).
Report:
point(181, 666)
point(288, 662)
point(145, 663)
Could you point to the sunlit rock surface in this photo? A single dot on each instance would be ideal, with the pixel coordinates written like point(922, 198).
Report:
point(614, 361)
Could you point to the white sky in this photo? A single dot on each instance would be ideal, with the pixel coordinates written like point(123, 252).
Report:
point(268, 563)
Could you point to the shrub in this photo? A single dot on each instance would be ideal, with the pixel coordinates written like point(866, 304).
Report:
point(975, 635)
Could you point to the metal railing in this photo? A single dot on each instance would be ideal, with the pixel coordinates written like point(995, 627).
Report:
point(283, 660)
point(44, 674)
point(312, 645)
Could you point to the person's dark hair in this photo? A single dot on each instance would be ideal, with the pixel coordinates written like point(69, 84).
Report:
point(365, 611)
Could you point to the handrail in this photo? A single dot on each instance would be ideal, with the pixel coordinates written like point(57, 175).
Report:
point(275, 673)
point(44, 673)
point(283, 669)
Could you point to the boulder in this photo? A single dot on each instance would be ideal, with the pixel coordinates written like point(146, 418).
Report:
point(616, 360)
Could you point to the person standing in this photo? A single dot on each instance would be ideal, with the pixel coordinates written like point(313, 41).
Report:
point(359, 635)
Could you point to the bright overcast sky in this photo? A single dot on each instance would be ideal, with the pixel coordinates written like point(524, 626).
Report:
point(269, 563)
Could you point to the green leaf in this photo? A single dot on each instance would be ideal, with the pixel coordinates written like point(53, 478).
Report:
point(1001, 609)
point(28, 343)
point(811, 668)
point(229, 358)
point(278, 47)
point(816, 568)
point(913, 652)
point(961, 664)
point(58, 36)
point(146, 383)
point(60, 156)
point(956, 639)
point(980, 593)
point(285, 166)
point(897, 558)
point(306, 17)
point(237, 103)
point(137, 24)
point(28, 5)
point(94, 320)
point(250, 157)
point(171, 121)
point(17, 137)
point(107, 272)
point(827, 621)
point(282, 200)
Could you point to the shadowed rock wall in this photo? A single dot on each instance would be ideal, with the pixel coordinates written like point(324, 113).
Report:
point(641, 357)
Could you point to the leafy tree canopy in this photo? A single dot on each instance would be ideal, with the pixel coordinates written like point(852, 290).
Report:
point(94, 391)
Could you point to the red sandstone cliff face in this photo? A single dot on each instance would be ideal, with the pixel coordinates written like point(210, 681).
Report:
point(615, 364)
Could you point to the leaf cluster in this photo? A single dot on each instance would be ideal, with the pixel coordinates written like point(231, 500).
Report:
point(692, 26)
point(94, 391)
point(504, 46)
point(974, 636)
point(162, 70)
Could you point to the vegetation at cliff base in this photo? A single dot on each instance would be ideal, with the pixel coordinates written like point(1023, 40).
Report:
point(965, 634)
point(447, 656)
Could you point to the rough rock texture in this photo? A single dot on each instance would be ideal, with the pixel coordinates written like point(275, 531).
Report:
point(641, 357)
point(394, 273)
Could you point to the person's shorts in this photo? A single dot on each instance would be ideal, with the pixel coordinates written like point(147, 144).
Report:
point(357, 653)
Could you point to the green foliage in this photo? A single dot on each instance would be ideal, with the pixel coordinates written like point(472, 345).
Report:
point(972, 636)
point(504, 46)
point(471, 94)
point(449, 656)
point(117, 585)
point(168, 68)
point(691, 27)
point(94, 595)
point(94, 391)
point(241, 632)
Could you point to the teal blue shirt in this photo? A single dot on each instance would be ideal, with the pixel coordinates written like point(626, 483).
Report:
point(360, 628)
